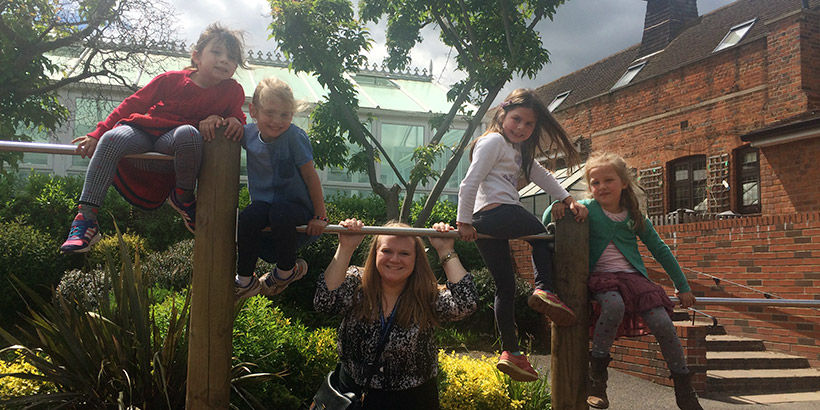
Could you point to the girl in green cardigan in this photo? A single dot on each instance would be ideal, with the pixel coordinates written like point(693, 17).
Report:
point(628, 301)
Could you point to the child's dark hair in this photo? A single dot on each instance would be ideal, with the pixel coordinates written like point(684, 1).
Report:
point(234, 41)
point(633, 197)
point(548, 137)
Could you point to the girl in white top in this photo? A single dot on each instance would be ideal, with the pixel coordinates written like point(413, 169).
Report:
point(488, 203)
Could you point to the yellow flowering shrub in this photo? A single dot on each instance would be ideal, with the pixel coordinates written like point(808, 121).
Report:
point(473, 383)
point(14, 386)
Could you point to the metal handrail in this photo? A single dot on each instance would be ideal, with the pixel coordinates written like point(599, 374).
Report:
point(717, 280)
point(401, 231)
point(63, 149)
point(804, 303)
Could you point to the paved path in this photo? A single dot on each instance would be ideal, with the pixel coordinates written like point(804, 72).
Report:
point(632, 393)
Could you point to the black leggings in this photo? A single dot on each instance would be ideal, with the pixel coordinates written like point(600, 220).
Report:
point(282, 218)
point(506, 222)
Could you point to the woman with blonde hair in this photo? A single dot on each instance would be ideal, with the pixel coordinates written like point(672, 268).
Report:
point(395, 298)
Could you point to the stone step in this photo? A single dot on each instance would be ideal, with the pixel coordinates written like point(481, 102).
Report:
point(767, 381)
point(729, 360)
point(728, 343)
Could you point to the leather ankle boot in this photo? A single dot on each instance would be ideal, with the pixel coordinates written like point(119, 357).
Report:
point(685, 395)
point(596, 393)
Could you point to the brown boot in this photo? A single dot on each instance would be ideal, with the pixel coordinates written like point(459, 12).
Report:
point(685, 395)
point(596, 391)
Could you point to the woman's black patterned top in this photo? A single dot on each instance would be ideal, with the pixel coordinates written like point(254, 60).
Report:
point(410, 356)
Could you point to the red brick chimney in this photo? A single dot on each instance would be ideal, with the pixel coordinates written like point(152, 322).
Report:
point(664, 20)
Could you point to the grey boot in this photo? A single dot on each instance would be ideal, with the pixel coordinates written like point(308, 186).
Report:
point(596, 391)
point(685, 395)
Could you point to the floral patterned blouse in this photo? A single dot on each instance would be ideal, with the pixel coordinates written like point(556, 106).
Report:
point(410, 356)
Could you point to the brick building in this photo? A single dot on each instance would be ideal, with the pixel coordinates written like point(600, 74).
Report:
point(718, 114)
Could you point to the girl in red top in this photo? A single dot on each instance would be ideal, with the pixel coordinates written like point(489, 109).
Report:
point(172, 115)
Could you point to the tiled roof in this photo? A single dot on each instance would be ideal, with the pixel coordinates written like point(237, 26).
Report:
point(696, 41)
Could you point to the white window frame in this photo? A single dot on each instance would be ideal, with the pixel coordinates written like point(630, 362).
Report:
point(558, 100)
point(739, 31)
point(630, 73)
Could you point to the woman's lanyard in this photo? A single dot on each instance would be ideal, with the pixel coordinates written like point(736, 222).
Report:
point(385, 325)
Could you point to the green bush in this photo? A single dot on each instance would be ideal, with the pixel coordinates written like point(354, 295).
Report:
point(275, 343)
point(48, 203)
point(85, 288)
point(109, 245)
point(467, 382)
point(173, 267)
point(29, 255)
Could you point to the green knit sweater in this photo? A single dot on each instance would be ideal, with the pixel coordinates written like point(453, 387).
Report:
point(603, 230)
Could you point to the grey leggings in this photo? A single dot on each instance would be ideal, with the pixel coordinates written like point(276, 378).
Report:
point(612, 313)
point(183, 142)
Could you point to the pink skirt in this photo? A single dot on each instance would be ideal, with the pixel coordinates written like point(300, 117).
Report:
point(639, 293)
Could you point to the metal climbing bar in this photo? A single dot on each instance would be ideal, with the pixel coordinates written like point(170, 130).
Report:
point(401, 231)
point(64, 149)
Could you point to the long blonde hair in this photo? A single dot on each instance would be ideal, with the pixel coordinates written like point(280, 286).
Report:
point(272, 87)
point(418, 300)
point(633, 197)
point(548, 138)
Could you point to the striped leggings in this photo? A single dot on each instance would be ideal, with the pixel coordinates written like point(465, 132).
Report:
point(183, 142)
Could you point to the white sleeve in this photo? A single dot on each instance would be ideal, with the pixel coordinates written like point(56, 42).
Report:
point(547, 181)
point(485, 155)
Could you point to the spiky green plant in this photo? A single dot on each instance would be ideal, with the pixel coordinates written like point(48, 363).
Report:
point(111, 357)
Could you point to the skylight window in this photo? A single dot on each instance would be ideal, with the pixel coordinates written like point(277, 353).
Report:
point(734, 35)
point(630, 73)
point(558, 100)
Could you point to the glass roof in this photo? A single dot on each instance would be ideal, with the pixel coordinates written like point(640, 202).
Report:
point(406, 92)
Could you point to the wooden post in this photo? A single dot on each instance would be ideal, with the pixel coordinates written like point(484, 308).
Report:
point(212, 305)
point(570, 344)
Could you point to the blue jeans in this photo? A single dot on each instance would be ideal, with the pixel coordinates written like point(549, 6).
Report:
point(506, 222)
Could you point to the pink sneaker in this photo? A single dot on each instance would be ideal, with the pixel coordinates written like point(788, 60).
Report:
point(548, 303)
point(517, 367)
point(83, 234)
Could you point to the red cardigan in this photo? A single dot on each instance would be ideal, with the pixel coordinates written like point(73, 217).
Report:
point(171, 99)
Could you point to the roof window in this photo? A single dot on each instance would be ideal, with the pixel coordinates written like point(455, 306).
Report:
point(558, 100)
point(734, 35)
point(630, 73)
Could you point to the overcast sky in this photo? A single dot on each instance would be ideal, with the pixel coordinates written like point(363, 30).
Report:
point(581, 33)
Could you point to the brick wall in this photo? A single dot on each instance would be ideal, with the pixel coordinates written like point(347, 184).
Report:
point(702, 108)
point(641, 357)
point(777, 254)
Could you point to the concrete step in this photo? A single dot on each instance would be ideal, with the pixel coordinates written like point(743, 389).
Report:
point(729, 360)
point(767, 381)
point(728, 343)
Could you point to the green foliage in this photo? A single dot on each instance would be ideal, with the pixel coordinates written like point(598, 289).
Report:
point(30, 255)
point(10, 386)
point(172, 268)
point(48, 203)
point(83, 288)
point(273, 342)
point(115, 354)
point(470, 382)
point(109, 245)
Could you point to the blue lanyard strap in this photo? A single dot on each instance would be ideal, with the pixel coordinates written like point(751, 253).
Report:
point(385, 326)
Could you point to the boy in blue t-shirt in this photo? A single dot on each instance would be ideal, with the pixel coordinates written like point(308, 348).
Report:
point(285, 192)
